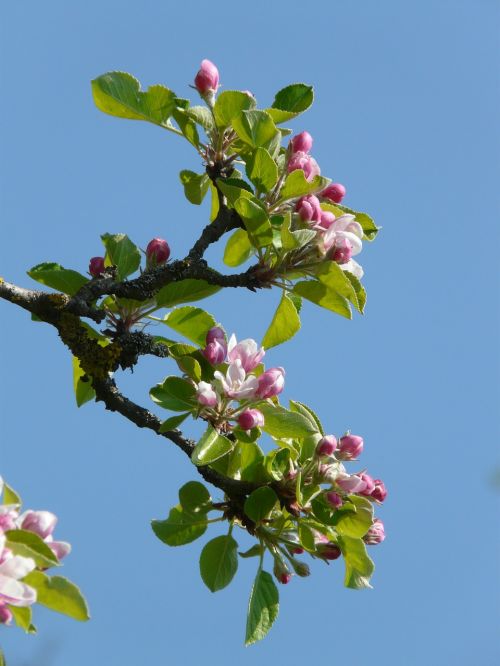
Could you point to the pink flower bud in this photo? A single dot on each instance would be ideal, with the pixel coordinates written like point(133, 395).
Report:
point(309, 208)
point(369, 484)
point(380, 491)
point(96, 266)
point(329, 551)
point(334, 192)
point(350, 447)
point(215, 352)
point(157, 252)
point(285, 578)
point(207, 78)
point(333, 499)
point(8, 518)
point(375, 534)
point(271, 383)
point(304, 162)
point(251, 418)
point(281, 571)
point(215, 333)
point(59, 548)
point(302, 143)
point(326, 445)
point(206, 395)
point(341, 252)
point(327, 218)
point(39, 522)
point(298, 550)
point(5, 614)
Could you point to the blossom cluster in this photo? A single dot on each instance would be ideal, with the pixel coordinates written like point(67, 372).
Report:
point(241, 380)
point(13, 568)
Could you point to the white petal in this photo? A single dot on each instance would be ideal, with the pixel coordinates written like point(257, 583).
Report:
point(353, 241)
point(16, 593)
point(342, 222)
point(235, 372)
point(354, 268)
point(17, 567)
point(231, 343)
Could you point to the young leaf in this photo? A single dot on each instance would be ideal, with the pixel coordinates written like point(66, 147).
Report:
point(331, 275)
point(255, 551)
point(284, 325)
point(255, 128)
point(358, 566)
point(256, 220)
point(29, 544)
point(369, 227)
point(229, 104)
point(119, 94)
point(9, 495)
point(180, 527)
point(306, 411)
point(122, 253)
point(59, 278)
point(185, 291)
point(263, 607)
point(321, 294)
point(174, 393)
point(234, 189)
point(187, 126)
point(195, 185)
point(202, 116)
point(260, 503)
point(83, 389)
point(191, 322)
point(238, 248)
point(293, 240)
point(291, 101)
point(354, 523)
point(211, 447)
point(219, 562)
point(194, 497)
point(296, 185)
point(358, 289)
point(279, 422)
point(58, 594)
point(262, 170)
point(173, 422)
point(22, 617)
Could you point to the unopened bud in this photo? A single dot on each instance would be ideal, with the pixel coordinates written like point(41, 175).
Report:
point(207, 78)
point(215, 352)
point(302, 142)
point(271, 383)
point(369, 484)
point(334, 192)
point(96, 266)
point(326, 445)
point(251, 418)
point(376, 533)
point(350, 447)
point(333, 499)
point(5, 614)
point(380, 491)
point(157, 252)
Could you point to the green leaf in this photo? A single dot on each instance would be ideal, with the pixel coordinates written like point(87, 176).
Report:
point(306, 537)
point(229, 104)
point(195, 185)
point(238, 248)
point(256, 221)
point(284, 325)
point(219, 562)
point(255, 128)
point(173, 422)
point(293, 240)
point(194, 497)
point(260, 503)
point(246, 462)
point(187, 126)
point(306, 411)
point(262, 170)
point(291, 101)
point(122, 253)
point(58, 594)
point(296, 185)
point(320, 294)
point(355, 523)
point(369, 227)
point(211, 447)
point(360, 300)
point(9, 495)
point(263, 607)
point(22, 617)
point(29, 544)
point(358, 566)
point(234, 189)
point(202, 116)
point(180, 527)
point(174, 393)
point(55, 276)
point(215, 204)
point(185, 291)
point(331, 275)
point(190, 367)
point(83, 389)
point(279, 422)
point(191, 322)
point(255, 551)
point(119, 94)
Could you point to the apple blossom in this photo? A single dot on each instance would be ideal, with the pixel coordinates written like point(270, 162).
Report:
point(341, 252)
point(327, 218)
point(326, 445)
point(369, 484)
point(309, 208)
point(215, 352)
point(334, 499)
point(96, 266)
point(301, 143)
point(235, 383)
point(350, 447)
point(157, 252)
point(207, 78)
point(251, 418)
point(334, 192)
point(8, 516)
point(376, 533)
point(247, 352)
point(344, 227)
point(306, 163)
point(380, 491)
point(43, 523)
point(350, 483)
point(12, 569)
point(271, 382)
point(206, 395)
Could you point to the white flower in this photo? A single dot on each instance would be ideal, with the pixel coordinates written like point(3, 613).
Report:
point(353, 267)
point(206, 395)
point(344, 227)
point(247, 351)
point(236, 384)
point(12, 569)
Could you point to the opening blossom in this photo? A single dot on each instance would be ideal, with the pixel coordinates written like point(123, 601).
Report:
point(247, 352)
point(306, 163)
point(344, 233)
point(43, 523)
point(12, 591)
point(235, 383)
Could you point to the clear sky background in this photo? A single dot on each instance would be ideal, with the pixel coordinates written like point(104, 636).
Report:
point(406, 97)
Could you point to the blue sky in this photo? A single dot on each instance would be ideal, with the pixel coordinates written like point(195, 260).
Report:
point(406, 96)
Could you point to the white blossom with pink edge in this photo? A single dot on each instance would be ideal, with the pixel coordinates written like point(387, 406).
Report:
point(247, 351)
point(12, 569)
point(43, 523)
point(342, 229)
point(235, 383)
